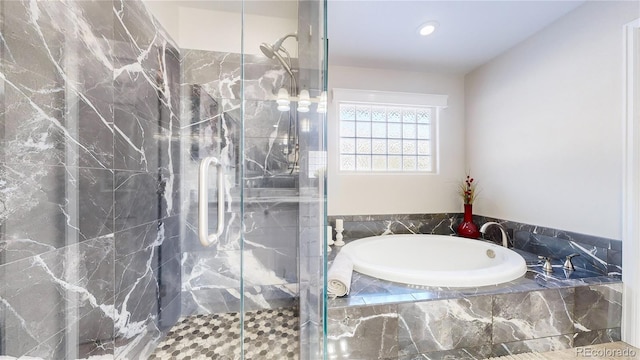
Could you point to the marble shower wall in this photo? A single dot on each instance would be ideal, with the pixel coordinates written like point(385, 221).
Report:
point(477, 327)
point(89, 179)
point(211, 95)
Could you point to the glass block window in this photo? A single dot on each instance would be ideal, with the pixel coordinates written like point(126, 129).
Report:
point(386, 138)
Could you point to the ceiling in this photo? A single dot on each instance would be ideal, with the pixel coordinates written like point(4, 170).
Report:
point(383, 33)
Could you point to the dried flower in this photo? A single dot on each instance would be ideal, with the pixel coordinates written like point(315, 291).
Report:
point(467, 190)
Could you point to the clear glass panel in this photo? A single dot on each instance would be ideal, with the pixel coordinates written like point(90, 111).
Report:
point(364, 146)
point(395, 131)
point(379, 162)
point(424, 115)
point(379, 130)
point(363, 162)
point(395, 146)
point(363, 129)
point(347, 128)
point(379, 146)
point(347, 146)
point(394, 163)
point(347, 112)
point(379, 113)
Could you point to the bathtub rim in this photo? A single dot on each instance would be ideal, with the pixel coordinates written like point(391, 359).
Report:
point(514, 268)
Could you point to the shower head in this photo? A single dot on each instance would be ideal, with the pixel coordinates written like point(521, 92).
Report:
point(267, 50)
point(271, 51)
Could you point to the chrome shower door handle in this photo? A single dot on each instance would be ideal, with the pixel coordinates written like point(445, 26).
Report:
point(207, 239)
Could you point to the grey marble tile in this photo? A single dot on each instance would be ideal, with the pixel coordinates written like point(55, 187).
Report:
point(539, 345)
point(444, 325)
point(476, 353)
point(43, 124)
point(598, 307)
point(368, 332)
point(591, 257)
point(531, 315)
point(74, 286)
point(596, 337)
point(69, 205)
point(138, 198)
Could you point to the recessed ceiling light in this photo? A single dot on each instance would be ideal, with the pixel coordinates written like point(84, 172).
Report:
point(428, 28)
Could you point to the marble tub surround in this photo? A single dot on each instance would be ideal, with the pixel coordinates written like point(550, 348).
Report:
point(478, 324)
point(91, 161)
point(597, 254)
point(360, 226)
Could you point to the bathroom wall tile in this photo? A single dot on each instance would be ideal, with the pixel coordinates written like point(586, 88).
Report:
point(539, 345)
point(616, 245)
point(368, 332)
point(270, 296)
point(357, 227)
point(614, 262)
point(596, 337)
point(531, 315)
point(138, 198)
point(209, 301)
point(37, 194)
point(598, 307)
point(475, 353)
point(591, 258)
point(73, 284)
point(430, 326)
point(281, 264)
point(209, 270)
point(40, 61)
point(146, 112)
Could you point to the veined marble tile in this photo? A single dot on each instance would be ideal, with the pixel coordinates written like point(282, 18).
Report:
point(590, 257)
point(56, 112)
point(598, 307)
point(532, 315)
point(596, 337)
point(369, 332)
point(69, 205)
point(73, 286)
point(444, 325)
point(477, 353)
point(539, 345)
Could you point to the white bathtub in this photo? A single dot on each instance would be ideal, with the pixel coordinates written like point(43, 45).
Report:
point(435, 260)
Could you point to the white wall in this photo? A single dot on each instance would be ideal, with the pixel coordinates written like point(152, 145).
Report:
point(544, 124)
point(217, 30)
point(350, 194)
point(221, 31)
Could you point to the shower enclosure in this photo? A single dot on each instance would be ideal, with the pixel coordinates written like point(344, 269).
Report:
point(160, 160)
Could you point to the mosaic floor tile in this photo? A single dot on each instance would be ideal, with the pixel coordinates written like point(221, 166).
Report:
point(269, 334)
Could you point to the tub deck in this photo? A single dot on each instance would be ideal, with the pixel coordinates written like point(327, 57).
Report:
point(536, 313)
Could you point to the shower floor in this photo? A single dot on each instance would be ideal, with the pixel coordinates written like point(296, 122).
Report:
point(269, 334)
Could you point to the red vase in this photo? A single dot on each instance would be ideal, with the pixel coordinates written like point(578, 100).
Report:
point(467, 228)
